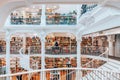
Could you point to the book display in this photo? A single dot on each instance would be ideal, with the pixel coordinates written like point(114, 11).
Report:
point(16, 44)
point(65, 45)
point(14, 64)
point(29, 17)
point(2, 66)
point(49, 41)
point(95, 41)
point(2, 62)
point(86, 41)
point(60, 62)
point(60, 18)
point(91, 63)
point(66, 41)
point(100, 41)
point(34, 44)
point(95, 46)
point(35, 62)
point(2, 46)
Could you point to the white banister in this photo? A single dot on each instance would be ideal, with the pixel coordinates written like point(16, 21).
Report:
point(79, 74)
point(101, 55)
point(90, 73)
point(24, 60)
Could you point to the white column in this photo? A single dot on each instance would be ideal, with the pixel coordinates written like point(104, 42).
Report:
point(78, 53)
point(8, 54)
point(24, 42)
point(79, 74)
point(43, 58)
point(78, 13)
point(111, 39)
point(43, 16)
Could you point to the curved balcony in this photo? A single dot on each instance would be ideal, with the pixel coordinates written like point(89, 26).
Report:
point(61, 14)
point(93, 50)
point(25, 21)
point(61, 50)
point(61, 19)
point(67, 74)
point(87, 72)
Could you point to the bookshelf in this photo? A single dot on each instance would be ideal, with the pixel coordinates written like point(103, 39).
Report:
point(16, 44)
point(65, 45)
point(29, 17)
point(2, 62)
point(60, 62)
point(34, 44)
point(86, 41)
point(2, 46)
point(35, 62)
point(14, 64)
point(63, 41)
point(58, 18)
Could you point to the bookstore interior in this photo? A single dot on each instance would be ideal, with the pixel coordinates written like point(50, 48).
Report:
point(60, 41)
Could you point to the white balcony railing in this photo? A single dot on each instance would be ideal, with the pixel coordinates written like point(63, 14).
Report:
point(95, 63)
point(65, 74)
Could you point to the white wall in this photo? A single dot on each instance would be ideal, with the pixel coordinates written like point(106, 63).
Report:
point(66, 8)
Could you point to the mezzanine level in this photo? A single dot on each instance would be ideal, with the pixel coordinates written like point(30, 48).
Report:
point(47, 15)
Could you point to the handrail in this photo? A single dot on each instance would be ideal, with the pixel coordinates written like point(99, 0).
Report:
point(23, 55)
point(24, 60)
point(88, 62)
point(61, 50)
point(22, 49)
point(41, 70)
point(99, 56)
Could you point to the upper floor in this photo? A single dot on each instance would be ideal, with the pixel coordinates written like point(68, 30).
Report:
point(49, 14)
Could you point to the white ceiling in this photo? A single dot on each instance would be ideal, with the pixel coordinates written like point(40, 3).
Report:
point(67, 1)
point(6, 6)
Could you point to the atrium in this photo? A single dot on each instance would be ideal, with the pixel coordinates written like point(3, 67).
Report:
point(60, 40)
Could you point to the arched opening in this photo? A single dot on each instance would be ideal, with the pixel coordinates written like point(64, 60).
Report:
point(29, 41)
point(27, 46)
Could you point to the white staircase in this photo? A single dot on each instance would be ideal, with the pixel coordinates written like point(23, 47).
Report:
point(24, 60)
point(102, 75)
